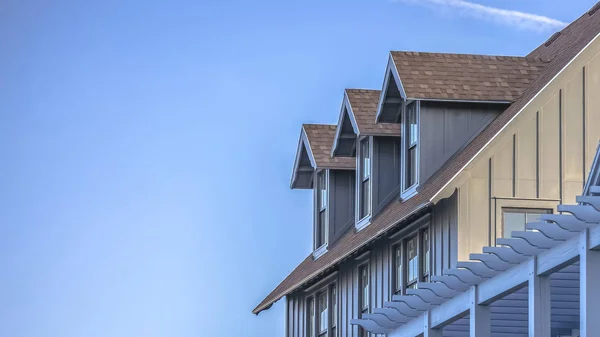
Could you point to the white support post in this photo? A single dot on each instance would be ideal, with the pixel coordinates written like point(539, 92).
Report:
point(428, 331)
point(539, 302)
point(479, 317)
point(589, 292)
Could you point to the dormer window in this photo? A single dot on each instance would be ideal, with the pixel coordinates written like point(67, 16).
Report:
point(411, 150)
point(321, 209)
point(364, 183)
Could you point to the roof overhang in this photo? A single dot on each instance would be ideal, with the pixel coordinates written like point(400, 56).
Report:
point(304, 164)
point(344, 143)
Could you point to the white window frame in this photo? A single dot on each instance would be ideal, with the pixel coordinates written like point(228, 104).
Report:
point(366, 220)
point(409, 191)
point(319, 250)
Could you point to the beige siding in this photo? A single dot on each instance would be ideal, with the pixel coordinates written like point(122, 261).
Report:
point(539, 159)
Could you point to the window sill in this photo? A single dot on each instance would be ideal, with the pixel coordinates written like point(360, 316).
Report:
point(319, 252)
point(409, 193)
point(364, 222)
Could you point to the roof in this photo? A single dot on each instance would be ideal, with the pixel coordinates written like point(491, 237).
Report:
point(572, 40)
point(363, 103)
point(465, 76)
point(320, 138)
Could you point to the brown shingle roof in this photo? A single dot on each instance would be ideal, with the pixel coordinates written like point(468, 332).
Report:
point(465, 76)
point(363, 103)
point(572, 40)
point(320, 139)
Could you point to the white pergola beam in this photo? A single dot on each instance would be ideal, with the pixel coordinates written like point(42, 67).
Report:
point(479, 316)
point(428, 330)
point(539, 303)
point(589, 292)
point(504, 283)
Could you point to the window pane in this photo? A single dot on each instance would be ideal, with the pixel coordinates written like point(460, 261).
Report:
point(412, 123)
point(411, 167)
point(334, 307)
point(321, 227)
point(366, 159)
point(311, 318)
point(322, 190)
point(534, 217)
point(513, 222)
point(398, 268)
point(412, 257)
point(323, 312)
point(364, 283)
point(426, 252)
point(365, 199)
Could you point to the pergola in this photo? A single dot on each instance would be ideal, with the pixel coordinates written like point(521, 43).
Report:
point(539, 283)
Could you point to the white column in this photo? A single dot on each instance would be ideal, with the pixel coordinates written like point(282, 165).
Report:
point(428, 331)
point(589, 292)
point(539, 302)
point(479, 317)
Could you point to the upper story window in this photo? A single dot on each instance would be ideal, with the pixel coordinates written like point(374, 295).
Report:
point(323, 315)
point(364, 183)
point(321, 218)
point(410, 149)
point(320, 318)
point(515, 219)
point(411, 261)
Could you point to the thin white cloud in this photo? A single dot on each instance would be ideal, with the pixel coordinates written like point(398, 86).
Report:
point(516, 19)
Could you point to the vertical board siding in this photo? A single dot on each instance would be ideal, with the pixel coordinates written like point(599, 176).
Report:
point(572, 140)
point(526, 163)
point(379, 260)
point(549, 149)
point(544, 153)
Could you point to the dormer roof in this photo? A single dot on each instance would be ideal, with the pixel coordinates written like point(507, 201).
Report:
point(465, 77)
point(314, 153)
point(357, 118)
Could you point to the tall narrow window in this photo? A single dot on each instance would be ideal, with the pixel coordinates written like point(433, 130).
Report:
point(365, 177)
point(333, 311)
point(515, 219)
point(412, 258)
point(364, 288)
point(426, 267)
point(311, 318)
point(398, 270)
point(321, 209)
point(411, 145)
point(323, 314)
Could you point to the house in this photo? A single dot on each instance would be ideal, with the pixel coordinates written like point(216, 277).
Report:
point(447, 203)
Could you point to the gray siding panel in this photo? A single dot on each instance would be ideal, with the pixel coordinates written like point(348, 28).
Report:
point(444, 251)
point(342, 196)
point(447, 127)
point(386, 168)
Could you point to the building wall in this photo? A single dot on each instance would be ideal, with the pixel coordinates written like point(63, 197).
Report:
point(539, 160)
point(446, 127)
point(443, 223)
point(386, 168)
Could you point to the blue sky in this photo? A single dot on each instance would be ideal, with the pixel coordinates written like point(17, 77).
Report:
point(146, 147)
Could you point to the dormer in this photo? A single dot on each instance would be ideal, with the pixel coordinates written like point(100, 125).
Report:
point(374, 146)
point(442, 101)
point(332, 181)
